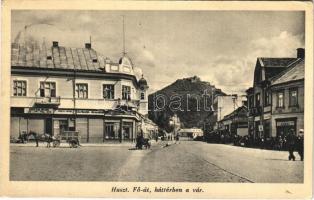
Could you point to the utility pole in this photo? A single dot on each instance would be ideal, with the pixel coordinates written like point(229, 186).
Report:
point(123, 32)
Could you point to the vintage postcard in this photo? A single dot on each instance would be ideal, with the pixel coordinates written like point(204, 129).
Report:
point(145, 99)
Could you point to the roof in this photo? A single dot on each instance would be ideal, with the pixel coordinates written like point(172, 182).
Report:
point(292, 74)
point(276, 62)
point(30, 55)
point(240, 111)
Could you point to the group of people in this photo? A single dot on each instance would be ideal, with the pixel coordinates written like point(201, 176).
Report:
point(285, 141)
point(141, 141)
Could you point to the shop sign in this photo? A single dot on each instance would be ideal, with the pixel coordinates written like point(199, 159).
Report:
point(285, 123)
point(62, 111)
point(38, 110)
point(80, 112)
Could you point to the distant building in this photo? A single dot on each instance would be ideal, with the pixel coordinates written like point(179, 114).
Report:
point(191, 132)
point(236, 122)
point(277, 97)
point(149, 128)
point(224, 105)
point(55, 89)
point(175, 123)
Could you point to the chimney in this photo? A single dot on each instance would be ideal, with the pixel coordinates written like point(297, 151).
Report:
point(55, 44)
point(300, 53)
point(88, 45)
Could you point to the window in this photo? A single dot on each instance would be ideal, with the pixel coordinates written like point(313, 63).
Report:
point(257, 99)
point(108, 91)
point(126, 92)
point(251, 101)
point(267, 98)
point(142, 95)
point(280, 100)
point(47, 89)
point(112, 130)
point(81, 90)
point(19, 88)
point(293, 97)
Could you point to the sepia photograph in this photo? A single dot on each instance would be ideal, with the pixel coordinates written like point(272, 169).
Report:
point(157, 96)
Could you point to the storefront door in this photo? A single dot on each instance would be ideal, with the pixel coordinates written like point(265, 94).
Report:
point(63, 125)
point(48, 126)
point(127, 130)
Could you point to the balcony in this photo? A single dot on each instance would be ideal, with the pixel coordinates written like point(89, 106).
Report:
point(128, 104)
point(47, 102)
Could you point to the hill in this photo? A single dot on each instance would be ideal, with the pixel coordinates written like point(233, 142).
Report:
point(190, 98)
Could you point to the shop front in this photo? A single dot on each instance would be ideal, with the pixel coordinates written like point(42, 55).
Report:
point(284, 125)
point(93, 125)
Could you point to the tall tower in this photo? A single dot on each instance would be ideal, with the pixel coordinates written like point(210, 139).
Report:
point(143, 107)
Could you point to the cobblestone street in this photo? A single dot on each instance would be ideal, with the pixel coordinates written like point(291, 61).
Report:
point(187, 161)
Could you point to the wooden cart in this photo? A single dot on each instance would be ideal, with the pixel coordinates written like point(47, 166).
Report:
point(70, 137)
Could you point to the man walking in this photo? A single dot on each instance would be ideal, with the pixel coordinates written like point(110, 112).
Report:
point(291, 144)
point(300, 145)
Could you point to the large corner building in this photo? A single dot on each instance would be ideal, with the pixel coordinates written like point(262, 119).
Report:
point(55, 88)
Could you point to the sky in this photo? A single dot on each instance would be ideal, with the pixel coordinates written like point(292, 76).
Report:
point(220, 47)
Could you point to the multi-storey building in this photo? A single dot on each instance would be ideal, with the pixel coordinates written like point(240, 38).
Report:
point(263, 96)
point(288, 101)
point(57, 88)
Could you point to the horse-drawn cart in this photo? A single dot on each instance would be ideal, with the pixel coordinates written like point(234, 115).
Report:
point(71, 137)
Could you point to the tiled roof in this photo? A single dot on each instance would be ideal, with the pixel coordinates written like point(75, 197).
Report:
point(56, 57)
point(275, 66)
point(276, 62)
point(292, 74)
point(240, 111)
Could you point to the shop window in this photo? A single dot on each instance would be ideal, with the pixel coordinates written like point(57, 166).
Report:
point(19, 88)
point(81, 90)
point(293, 97)
point(112, 130)
point(108, 91)
point(126, 92)
point(267, 100)
point(280, 99)
point(47, 89)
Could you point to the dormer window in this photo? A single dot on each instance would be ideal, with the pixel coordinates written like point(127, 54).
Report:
point(95, 60)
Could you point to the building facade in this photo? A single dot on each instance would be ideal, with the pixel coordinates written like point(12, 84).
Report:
point(57, 89)
point(288, 101)
point(224, 105)
point(263, 107)
point(236, 122)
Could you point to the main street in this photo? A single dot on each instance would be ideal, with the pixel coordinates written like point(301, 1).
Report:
point(187, 161)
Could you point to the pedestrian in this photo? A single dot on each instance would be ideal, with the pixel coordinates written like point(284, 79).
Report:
point(300, 146)
point(36, 139)
point(291, 142)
